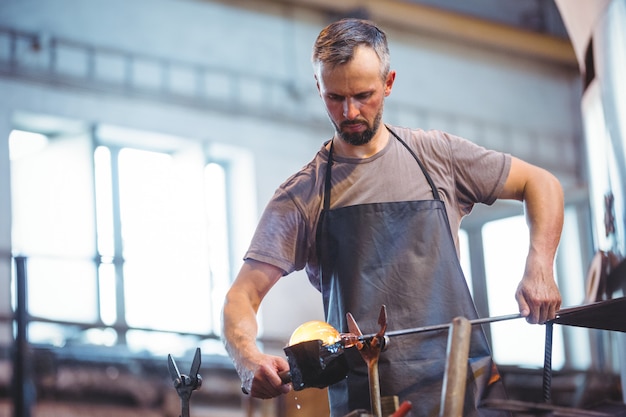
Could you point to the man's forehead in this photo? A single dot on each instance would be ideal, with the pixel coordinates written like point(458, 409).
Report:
point(338, 60)
point(364, 60)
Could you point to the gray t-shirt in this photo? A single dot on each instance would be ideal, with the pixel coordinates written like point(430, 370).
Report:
point(463, 172)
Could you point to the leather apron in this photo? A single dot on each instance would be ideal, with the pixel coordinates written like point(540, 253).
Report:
point(402, 255)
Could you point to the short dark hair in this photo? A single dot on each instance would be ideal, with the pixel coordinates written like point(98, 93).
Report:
point(336, 43)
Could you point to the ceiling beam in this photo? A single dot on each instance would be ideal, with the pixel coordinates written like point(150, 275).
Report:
point(453, 26)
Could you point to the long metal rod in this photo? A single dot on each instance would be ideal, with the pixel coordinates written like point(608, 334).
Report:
point(445, 326)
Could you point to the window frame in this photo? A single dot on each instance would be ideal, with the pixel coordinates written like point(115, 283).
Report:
point(119, 326)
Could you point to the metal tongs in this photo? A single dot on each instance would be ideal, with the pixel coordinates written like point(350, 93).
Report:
point(184, 384)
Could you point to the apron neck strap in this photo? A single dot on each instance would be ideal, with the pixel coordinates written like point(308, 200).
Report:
point(327, 179)
point(428, 178)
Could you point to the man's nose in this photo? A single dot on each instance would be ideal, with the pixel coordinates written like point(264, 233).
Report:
point(350, 109)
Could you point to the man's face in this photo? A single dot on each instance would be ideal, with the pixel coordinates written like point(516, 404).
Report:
point(354, 95)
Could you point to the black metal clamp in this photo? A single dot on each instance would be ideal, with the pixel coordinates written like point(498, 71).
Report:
point(185, 384)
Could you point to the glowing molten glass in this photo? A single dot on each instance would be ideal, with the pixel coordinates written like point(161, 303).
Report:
point(315, 330)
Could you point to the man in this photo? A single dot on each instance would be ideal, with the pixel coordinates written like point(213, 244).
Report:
point(374, 219)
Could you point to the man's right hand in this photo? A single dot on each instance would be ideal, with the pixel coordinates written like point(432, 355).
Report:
point(265, 382)
point(258, 371)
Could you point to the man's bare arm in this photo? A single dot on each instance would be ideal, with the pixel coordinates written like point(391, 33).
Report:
point(258, 371)
point(537, 293)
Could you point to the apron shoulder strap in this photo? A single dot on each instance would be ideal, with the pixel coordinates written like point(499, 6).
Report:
point(327, 182)
point(419, 162)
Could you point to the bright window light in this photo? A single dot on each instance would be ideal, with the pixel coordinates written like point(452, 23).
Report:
point(515, 342)
point(466, 265)
point(164, 243)
point(141, 233)
point(22, 143)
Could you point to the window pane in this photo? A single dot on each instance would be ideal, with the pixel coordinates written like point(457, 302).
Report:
point(573, 289)
point(60, 289)
point(466, 265)
point(515, 342)
point(166, 277)
point(215, 185)
point(56, 177)
point(53, 225)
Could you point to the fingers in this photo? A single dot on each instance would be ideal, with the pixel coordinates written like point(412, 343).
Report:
point(538, 310)
point(265, 386)
point(524, 309)
point(537, 315)
point(538, 303)
point(266, 383)
point(541, 313)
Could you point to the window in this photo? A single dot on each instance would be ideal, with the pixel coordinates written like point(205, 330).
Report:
point(514, 341)
point(53, 225)
point(496, 243)
point(465, 259)
point(122, 230)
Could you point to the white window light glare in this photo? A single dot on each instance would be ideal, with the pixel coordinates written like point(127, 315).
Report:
point(23, 143)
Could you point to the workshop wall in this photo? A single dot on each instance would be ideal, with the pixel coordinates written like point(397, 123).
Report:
point(514, 103)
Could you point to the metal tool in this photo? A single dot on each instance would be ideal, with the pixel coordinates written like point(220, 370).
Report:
point(185, 384)
point(370, 349)
point(601, 315)
point(453, 392)
point(314, 364)
point(371, 345)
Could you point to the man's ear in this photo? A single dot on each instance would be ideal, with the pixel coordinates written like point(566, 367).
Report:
point(391, 77)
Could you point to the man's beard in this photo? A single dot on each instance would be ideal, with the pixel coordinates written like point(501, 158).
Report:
point(359, 138)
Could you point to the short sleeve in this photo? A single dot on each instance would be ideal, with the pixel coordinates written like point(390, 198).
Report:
point(281, 235)
point(479, 173)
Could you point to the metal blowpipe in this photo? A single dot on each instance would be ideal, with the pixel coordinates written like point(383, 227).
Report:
point(349, 339)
